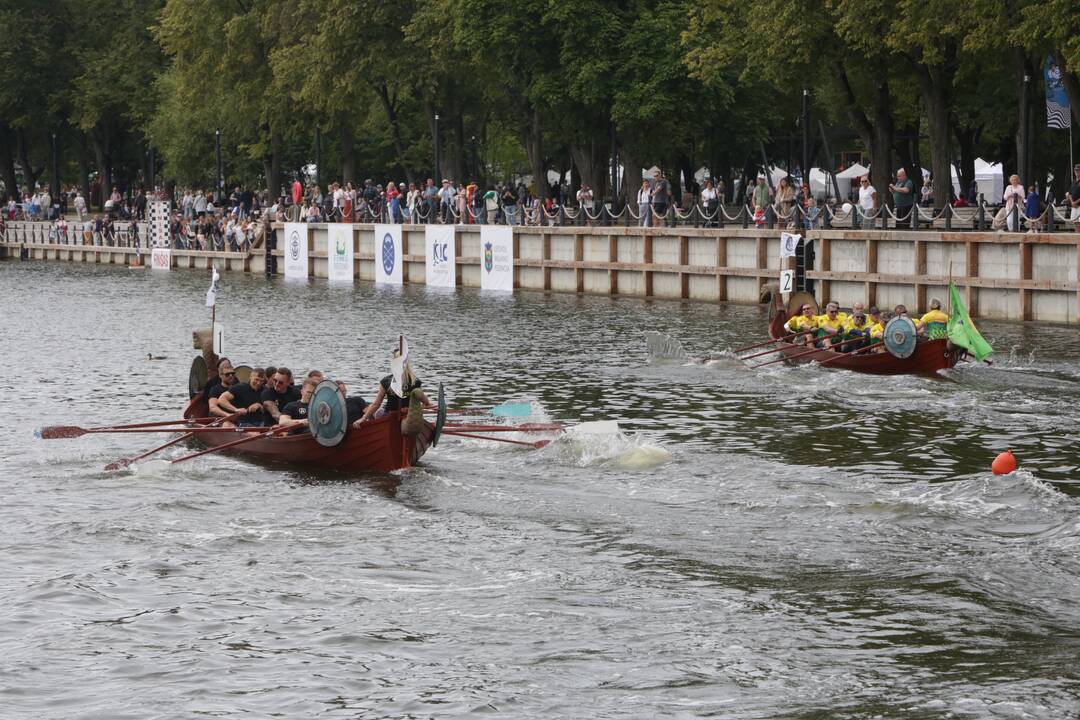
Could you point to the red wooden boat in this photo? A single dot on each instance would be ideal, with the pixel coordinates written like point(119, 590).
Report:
point(928, 357)
point(379, 446)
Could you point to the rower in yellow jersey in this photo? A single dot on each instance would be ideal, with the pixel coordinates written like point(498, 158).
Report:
point(856, 330)
point(830, 326)
point(803, 322)
point(877, 326)
point(935, 323)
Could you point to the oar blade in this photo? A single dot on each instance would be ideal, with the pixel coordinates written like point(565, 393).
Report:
point(509, 409)
point(118, 465)
point(58, 432)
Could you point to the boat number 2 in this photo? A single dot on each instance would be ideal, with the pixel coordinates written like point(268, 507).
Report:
point(787, 281)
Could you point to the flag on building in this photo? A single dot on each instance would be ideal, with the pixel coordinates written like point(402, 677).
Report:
point(962, 331)
point(1058, 114)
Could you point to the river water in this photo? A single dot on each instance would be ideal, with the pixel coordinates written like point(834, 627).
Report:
point(771, 543)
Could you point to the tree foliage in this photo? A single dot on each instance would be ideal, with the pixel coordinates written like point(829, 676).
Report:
point(516, 88)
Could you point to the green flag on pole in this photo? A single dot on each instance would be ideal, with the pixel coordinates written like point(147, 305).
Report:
point(962, 331)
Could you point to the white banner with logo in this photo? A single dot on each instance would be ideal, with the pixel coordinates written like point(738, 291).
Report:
point(496, 257)
point(388, 254)
point(296, 250)
point(789, 243)
point(339, 252)
point(161, 258)
point(441, 248)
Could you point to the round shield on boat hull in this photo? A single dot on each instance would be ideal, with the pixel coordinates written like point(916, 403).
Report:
point(197, 376)
point(900, 337)
point(797, 300)
point(328, 418)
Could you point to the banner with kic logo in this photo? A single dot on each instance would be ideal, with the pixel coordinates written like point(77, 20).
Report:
point(388, 259)
point(339, 253)
point(295, 249)
point(497, 258)
point(441, 248)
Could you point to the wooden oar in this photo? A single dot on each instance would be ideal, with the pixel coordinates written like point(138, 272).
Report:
point(124, 462)
point(856, 351)
point(770, 350)
point(811, 352)
point(767, 342)
point(538, 444)
point(234, 443)
point(58, 432)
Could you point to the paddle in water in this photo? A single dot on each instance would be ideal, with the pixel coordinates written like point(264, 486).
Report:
point(124, 462)
point(63, 432)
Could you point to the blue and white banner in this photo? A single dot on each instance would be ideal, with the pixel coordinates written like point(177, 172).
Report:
point(388, 260)
point(296, 250)
point(339, 252)
point(1058, 114)
point(496, 258)
point(441, 248)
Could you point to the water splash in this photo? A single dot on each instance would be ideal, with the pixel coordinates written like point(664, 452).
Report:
point(663, 348)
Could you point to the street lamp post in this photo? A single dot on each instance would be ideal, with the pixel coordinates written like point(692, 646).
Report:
point(438, 154)
point(220, 178)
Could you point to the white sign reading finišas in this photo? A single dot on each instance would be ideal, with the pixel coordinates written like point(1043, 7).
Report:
point(441, 249)
point(388, 260)
point(339, 252)
point(496, 258)
point(296, 250)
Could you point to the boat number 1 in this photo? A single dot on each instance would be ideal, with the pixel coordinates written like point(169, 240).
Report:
point(787, 281)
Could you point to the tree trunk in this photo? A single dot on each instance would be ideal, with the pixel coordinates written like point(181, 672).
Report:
point(99, 140)
point(29, 175)
point(395, 126)
point(272, 168)
point(966, 139)
point(7, 165)
point(534, 148)
point(1024, 113)
point(631, 176)
point(348, 153)
point(877, 136)
point(457, 157)
point(591, 168)
point(935, 84)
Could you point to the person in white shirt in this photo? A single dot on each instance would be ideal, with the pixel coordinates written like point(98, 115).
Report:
point(585, 201)
point(644, 204)
point(868, 198)
point(1014, 194)
point(80, 205)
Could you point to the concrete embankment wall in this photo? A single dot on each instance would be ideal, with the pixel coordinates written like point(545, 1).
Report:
point(1002, 275)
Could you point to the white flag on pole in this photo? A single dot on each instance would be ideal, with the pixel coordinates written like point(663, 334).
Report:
point(397, 368)
point(788, 243)
point(211, 294)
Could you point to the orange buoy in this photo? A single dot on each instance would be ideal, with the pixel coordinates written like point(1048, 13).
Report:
point(1004, 463)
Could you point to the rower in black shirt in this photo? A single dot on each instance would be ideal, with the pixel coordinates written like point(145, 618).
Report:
point(354, 406)
point(296, 412)
point(243, 398)
point(224, 380)
point(279, 392)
